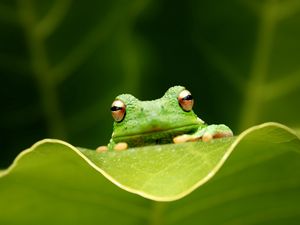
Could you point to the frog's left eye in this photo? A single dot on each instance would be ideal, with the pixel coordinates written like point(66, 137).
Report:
point(118, 110)
point(186, 100)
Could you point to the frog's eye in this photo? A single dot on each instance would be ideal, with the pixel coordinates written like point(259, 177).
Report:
point(186, 100)
point(118, 110)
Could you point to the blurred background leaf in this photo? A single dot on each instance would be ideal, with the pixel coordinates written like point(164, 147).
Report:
point(62, 62)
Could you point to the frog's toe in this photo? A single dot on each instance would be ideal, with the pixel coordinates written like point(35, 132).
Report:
point(102, 149)
point(181, 138)
point(207, 137)
point(121, 146)
point(185, 138)
point(223, 134)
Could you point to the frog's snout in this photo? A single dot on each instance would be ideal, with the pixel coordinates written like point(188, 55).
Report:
point(156, 125)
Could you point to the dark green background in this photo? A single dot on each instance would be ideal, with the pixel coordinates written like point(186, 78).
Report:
point(62, 63)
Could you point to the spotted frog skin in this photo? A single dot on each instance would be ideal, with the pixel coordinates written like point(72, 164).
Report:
point(169, 119)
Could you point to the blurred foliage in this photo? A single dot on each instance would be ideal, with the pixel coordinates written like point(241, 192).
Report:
point(62, 62)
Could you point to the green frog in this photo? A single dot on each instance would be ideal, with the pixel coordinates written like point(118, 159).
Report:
point(169, 119)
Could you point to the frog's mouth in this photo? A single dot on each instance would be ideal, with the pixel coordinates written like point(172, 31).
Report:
point(155, 136)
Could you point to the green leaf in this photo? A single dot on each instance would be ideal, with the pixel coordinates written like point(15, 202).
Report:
point(250, 179)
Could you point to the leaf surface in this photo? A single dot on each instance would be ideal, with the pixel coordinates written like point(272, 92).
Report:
point(240, 176)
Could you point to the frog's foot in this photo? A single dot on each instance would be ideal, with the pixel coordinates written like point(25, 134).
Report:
point(206, 134)
point(184, 138)
point(102, 149)
point(117, 147)
point(121, 146)
point(216, 131)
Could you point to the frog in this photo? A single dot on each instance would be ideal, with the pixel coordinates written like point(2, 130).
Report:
point(167, 120)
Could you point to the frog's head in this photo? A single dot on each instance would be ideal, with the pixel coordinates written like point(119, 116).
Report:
point(158, 121)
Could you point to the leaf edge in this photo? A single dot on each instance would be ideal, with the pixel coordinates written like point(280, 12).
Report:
point(218, 166)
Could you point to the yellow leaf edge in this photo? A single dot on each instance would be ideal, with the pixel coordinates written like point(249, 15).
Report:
point(139, 192)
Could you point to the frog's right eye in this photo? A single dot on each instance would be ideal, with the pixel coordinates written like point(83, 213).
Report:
point(118, 110)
